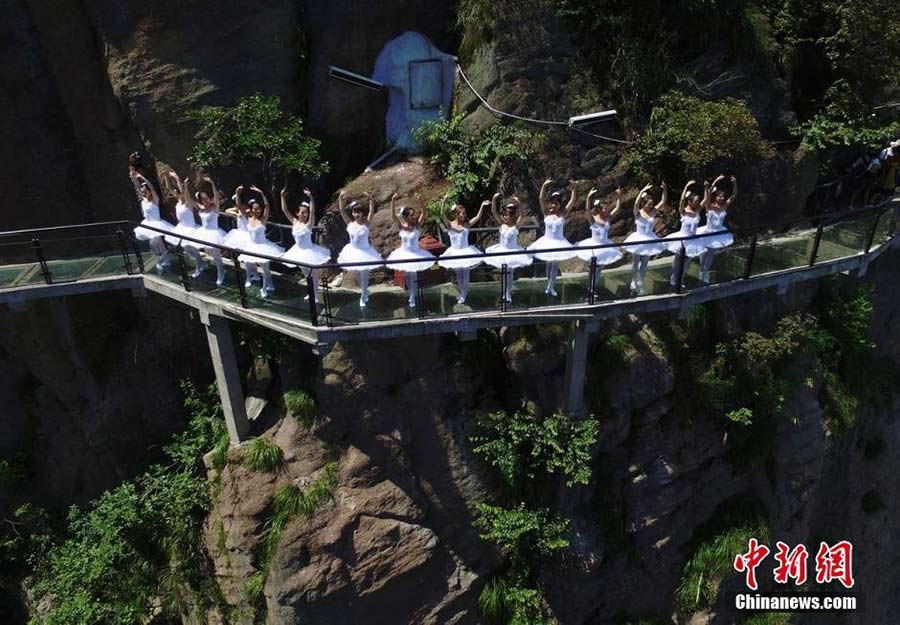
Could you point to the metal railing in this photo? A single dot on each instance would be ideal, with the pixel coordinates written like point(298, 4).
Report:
point(114, 250)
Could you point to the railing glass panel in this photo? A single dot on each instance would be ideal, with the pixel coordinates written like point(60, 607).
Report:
point(18, 265)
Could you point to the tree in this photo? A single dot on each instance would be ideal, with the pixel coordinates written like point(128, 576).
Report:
point(256, 133)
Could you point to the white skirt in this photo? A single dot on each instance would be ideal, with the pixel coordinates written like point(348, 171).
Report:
point(548, 243)
point(188, 231)
point(268, 248)
point(238, 239)
point(213, 237)
point(519, 260)
point(400, 253)
point(717, 241)
point(692, 247)
point(447, 260)
point(143, 234)
point(604, 256)
point(653, 247)
point(312, 255)
point(352, 254)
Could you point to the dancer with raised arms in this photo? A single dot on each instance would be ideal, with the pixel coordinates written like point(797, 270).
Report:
point(647, 243)
point(601, 216)
point(258, 243)
point(209, 231)
point(150, 209)
point(407, 221)
point(554, 237)
point(510, 219)
point(458, 231)
point(359, 249)
point(716, 212)
point(187, 223)
point(689, 209)
point(304, 250)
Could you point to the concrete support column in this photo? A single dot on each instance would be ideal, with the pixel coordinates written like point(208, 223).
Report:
point(576, 368)
point(228, 376)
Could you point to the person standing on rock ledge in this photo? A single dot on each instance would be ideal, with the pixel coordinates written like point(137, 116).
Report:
point(458, 230)
point(647, 244)
point(359, 249)
point(716, 212)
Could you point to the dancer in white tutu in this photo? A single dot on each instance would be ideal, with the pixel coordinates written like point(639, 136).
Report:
point(407, 220)
point(600, 219)
point(359, 250)
point(509, 219)
point(208, 206)
point(150, 209)
point(647, 243)
point(187, 223)
point(554, 237)
point(304, 250)
point(716, 212)
point(256, 227)
point(689, 209)
point(458, 230)
point(239, 237)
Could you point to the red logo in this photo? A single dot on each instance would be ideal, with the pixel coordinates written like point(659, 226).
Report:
point(835, 563)
point(791, 563)
point(747, 562)
point(832, 563)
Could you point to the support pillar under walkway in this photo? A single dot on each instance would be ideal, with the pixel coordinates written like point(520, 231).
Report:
point(228, 376)
point(576, 367)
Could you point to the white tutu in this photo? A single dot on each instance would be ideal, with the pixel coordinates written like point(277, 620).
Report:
point(508, 243)
point(715, 222)
point(185, 230)
point(359, 250)
point(644, 232)
point(213, 237)
point(409, 250)
point(143, 234)
point(553, 239)
point(599, 236)
point(260, 244)
point(692, 247)
point(237, 238)
point(459, 246)
point(304, 250)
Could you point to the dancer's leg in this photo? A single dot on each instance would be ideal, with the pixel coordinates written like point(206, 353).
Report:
point(315, 280)
point(198, 262)
point(363, 277)
point(552, 272)
point(220, 266)
point(411, 284)
point(250, 270)
point(645, 263)
point(462, 279)
point(674, 276)
point(635, 269)
point(268, 285)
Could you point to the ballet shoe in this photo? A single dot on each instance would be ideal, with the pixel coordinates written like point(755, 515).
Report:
point(263, 293)
point(248, 284)
point(160, 268)
point(196, 273)
point(553, 293)
point(362, 303)
point(270, 288)
point(220, 280)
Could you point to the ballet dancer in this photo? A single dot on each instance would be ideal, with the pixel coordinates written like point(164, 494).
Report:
point(509, 219)
point(716, 212)
point(187, 223)
point(238, 237)
point(601, 216)
point(208, 207)
point(407, 220)
point(256, 228)
point(649, 245)
point(359, 250)
point(689, 209)
point(553, 238)
point(150, 209)
point(304, 250)
point(458, 230)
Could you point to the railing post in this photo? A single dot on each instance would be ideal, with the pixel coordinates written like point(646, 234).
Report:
point(816, 242)
point(592, 281)
point(242, 292)
point(137, 254)
point(182, 266)
point(121, 235)
point(681, 263)
point(326, 299)
point(749, 266)
point(871, 238)
point(311, 296)
point(42, 261)
point(420, 295)
point(504, 272)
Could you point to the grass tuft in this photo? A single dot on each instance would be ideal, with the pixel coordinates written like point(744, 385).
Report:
point(263, 456)
point(301, 406)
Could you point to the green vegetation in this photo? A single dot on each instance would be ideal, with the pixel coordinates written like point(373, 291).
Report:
point(713, 561)
point(688, 137)
point(301, 406)
point(145, 534)
point(263, 455)
point(256, 135)
point(770, 618)
point(473, 162)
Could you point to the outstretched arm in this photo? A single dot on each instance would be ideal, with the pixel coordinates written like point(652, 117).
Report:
point(284, 205)
point(542, 197)
point(179, 192)
point(523, 218)
point(394, 216)
point(704, 203)
point(444, 221)
point(640, 196)
point(664, 197)
point(343, 209)
point(480, 212)
point(369, 197)
point(215, 192)
point(684, 192)
point(618, 202)
point(312, 205)
point(589, 200)
point(265, 215)
point(734, 192)
point(572, 197)
point(154, 196)
point(495, 208)
point(189, 197)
